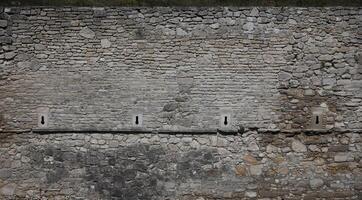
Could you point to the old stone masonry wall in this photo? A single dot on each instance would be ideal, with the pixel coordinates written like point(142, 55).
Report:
point(256, 165)
point(186, 103)
point(181, 67)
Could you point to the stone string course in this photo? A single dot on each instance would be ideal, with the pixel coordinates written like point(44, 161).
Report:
point(274, 69)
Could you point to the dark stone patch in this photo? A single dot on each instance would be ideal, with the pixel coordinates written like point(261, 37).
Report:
point(170, 107)
point(56, 174)
point(131, 174)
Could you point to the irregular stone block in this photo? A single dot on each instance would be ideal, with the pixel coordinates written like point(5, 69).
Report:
point(3, 23)
point(343, 157)
point(316, 183)
point(105, 43)
point(256, 170)
point(284, 76)
point(8, 190)
point(299, 147)
point(10, 55)
point(87, 33)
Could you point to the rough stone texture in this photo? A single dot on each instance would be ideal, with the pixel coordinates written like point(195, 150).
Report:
point(150, 166)
point(288, 78)
point(181, 67)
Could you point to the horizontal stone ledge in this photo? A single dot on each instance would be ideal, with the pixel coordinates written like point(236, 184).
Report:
point(291, 132)
point(138, 131)
point(90, 131)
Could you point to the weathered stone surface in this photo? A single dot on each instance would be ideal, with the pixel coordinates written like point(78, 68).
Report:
point(8, 190)
point(343, 157)
point(316, 183)
point(256, 170)
point(180, 32)
point(284, 76)
point(170, 107)
point(87, 33)
point(274, 72)
point(105, 43)
point(10, 55)
point(297, 146)
point(3, 23)
point(241, 170)
point(249, 26)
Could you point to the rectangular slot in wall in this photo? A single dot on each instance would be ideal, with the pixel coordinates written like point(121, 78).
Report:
point(137, 120)
point(43, 114)
point(225, 120)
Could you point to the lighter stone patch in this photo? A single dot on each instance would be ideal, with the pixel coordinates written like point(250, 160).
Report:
point(87, 33)
point(297, 146)
point(284, 76)
point(343, 157)
point(292, 21)
point(249, 26)
point(10, 55)
point(105, 43)
point(3, 23)
point(256, 170)
point(254, 12)
point(253, 146)
point(8, 190)
point(268, 58)
point(180, 32)
point(215, 26)
point(316, 183)
point(250, 194)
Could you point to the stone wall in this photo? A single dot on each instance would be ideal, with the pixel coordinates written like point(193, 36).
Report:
point(289, 81)
point(162, 166)
point(181, 67)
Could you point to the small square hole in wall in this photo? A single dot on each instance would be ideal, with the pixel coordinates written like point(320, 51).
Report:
point(137, 120)
point(225, 120)
point(43, 114)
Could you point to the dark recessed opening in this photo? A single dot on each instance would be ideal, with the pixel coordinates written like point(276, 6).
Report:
point(225, 120)
point(317, 119)
point(136, 122)
point(42, 120)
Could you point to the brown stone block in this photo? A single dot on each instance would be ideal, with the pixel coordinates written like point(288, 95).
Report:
point(250, 159)
point(241, 170)
point(337, 168)
point(338, 148)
